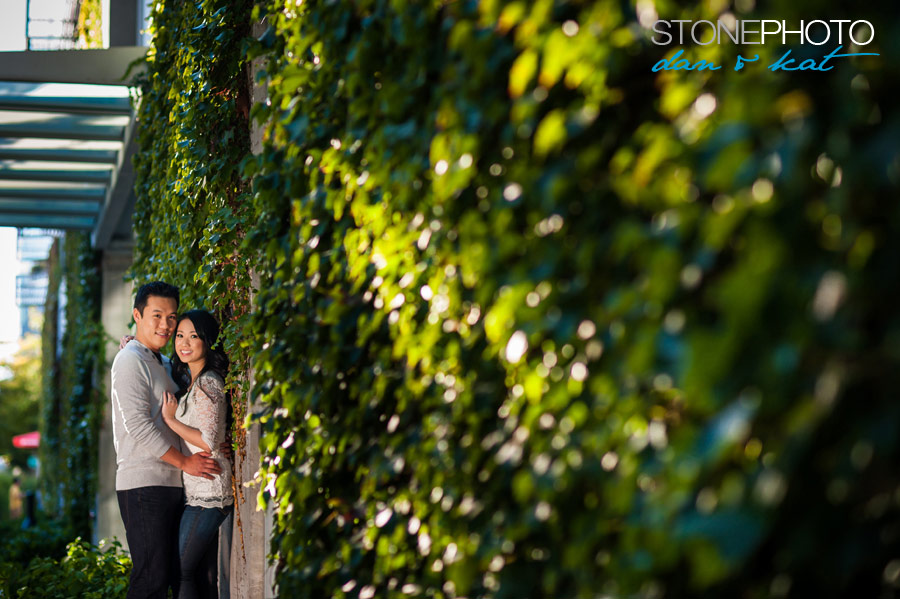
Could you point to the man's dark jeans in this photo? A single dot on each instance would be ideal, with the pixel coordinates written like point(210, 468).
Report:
point(151, 516)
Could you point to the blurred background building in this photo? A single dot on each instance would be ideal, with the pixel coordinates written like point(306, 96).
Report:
point(32, 250)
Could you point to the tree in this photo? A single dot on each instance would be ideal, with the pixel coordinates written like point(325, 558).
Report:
point(20, 399)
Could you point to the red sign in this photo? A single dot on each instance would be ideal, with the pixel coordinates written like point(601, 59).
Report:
point(27, 441)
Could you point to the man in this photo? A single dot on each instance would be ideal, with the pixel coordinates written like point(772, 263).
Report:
point(149, 457)
point(15, 500)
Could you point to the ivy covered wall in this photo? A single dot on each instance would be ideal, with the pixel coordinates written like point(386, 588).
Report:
point(73, 397)
point(531, 319)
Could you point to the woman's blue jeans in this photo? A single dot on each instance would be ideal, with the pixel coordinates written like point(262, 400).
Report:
point(198, 550)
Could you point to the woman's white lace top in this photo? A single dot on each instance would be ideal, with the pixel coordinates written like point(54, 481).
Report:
point(206, 411)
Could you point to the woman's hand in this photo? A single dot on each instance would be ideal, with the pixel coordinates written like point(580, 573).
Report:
point(124, 341)
point(169, 406)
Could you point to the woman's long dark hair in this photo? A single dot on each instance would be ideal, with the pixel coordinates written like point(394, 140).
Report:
point(216, 361)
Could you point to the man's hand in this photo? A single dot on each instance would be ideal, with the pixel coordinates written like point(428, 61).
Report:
point(202, 465)
point(226, 450)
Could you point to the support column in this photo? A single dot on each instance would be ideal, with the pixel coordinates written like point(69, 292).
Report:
point(115, 316)
point(251, 576)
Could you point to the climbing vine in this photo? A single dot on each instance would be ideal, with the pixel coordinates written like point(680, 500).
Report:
point(50, 419)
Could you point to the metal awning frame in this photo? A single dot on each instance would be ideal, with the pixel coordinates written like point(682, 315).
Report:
point(51, 176)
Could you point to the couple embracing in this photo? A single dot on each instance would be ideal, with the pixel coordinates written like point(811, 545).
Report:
point(173, 479)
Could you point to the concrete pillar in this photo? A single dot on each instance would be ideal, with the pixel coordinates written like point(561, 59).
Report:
point(251, 577)
point(115, 316)
point(249, 541)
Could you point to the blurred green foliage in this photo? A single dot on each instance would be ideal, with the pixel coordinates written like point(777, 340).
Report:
point(533, 320)
point(89, 28)
point(47, 538)
point(51, 568)
point(20, 401)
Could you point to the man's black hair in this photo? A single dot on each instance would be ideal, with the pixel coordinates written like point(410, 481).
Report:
point(157, 288)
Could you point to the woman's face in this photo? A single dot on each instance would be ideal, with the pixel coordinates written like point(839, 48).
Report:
point(188, 345)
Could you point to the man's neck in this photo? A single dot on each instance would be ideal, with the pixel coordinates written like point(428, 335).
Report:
point(156, 352)
point(146, 343)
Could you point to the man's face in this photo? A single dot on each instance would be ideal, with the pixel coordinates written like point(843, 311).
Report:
point(156, 325)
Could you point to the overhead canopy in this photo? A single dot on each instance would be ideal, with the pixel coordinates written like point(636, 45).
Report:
point(66, 124)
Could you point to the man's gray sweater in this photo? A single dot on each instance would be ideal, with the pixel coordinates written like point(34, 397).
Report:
point(140, 436)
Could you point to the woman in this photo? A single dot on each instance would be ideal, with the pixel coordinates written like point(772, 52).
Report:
point(199, 417)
